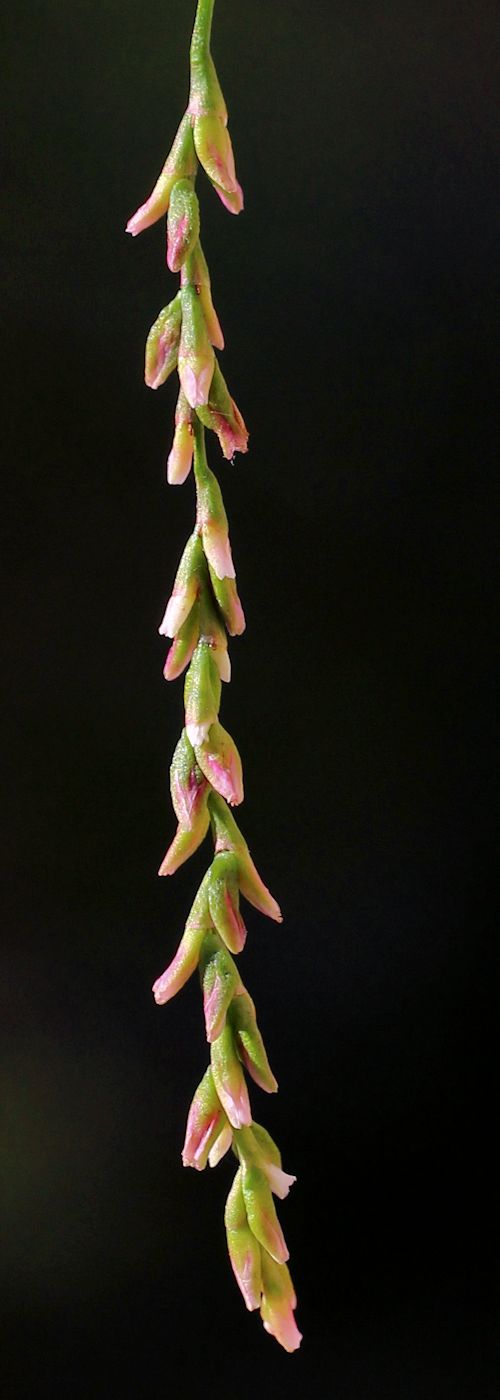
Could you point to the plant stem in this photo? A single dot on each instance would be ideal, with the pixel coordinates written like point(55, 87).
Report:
point(200, 42)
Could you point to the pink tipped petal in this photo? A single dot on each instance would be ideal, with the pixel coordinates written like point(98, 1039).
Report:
point(180, 163)
point(233, 201)
point(182, 966)
point(185, 843)
point(206, 1121)
point(281, 1324)
point(254, 889)
point(219, 760)
point(229, 1080)
point(244, 1251)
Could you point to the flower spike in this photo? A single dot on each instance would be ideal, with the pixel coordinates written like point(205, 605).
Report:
point(206, 777)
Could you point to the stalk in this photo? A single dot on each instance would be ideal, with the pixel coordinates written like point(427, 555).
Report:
point(206, 776)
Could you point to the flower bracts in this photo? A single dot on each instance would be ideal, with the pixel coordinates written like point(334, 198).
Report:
point(206, 778)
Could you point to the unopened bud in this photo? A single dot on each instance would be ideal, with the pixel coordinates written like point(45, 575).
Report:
point(220, 761)
point(162, 344)
point(228, 837)
point(244, 1251)
point(261, 1213)
point(180, 164)
point(196, 357)
point(212, 630)
point(201, 694)
point(183, 224)
point(187, 783)
point(226, 595)
point(187, 839)
point(278, 1303)
point(224, 900)
point(249, 1042)
point(215, 153)
point(195, 273)
point(220, 981)
point(229, 1079)
point(184, 963)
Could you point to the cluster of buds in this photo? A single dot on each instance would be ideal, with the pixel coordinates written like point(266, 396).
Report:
point(206, 779)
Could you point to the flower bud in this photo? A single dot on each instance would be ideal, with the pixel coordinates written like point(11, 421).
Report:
point(215, 153)
point(220, 761)
point(183, 224)
point(278, 1303)
point(229, 1079)
point(249, 1043)
point(186, 587)
point(162, 344)
point(227, 598)
point(220, 981)
point(180, 164)
point(212, 630)
point(187, 839)
point(188, 786)
point(201, 694)
point(181, 651)
point(181, 453)
point(212, 520)
point(223, 900)
point(206, 1124)
point(223, 417)
point(261, 1213)
point(244, 1251)
point(188, 952)
point(228, 837)
point(196, 357)
point(195, 274)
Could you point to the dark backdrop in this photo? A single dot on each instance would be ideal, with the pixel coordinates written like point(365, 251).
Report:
point(358, 303)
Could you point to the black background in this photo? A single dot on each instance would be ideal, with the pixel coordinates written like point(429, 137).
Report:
point(356, 293)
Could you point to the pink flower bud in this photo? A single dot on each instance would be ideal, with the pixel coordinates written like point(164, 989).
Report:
point(183, 645)
point(229, 603)
point(181, 454)
point(201, 694)
point(212, 630)
point(261, 1213)
point(196, 357)
point(188, 786)
point(228, 837)
point(183, 224)
point(223, 417)
point(215, 154)
point(186, 587)
point(180, 163)
point(220, 981)
point(229, 1079)
point(244, 1251)
point(220, 761)
point(187, 839)
point(223, 901)
point(162, 344)
point(182, 966)
point(206, 1123)
point(278, 1303)
point(249, 1042)
point(194, 273)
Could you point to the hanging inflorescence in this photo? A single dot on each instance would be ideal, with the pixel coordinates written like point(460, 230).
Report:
point(206, 774)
